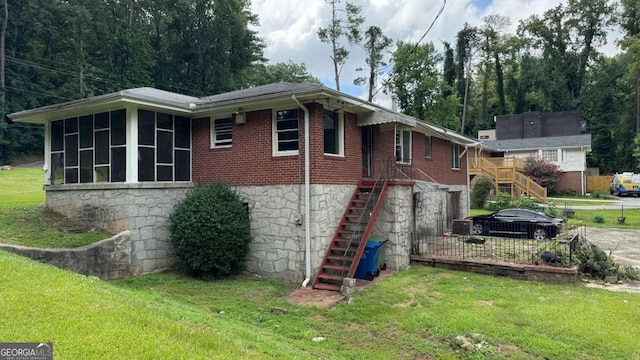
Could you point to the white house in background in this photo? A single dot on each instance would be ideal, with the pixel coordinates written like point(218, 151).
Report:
point(556, 137)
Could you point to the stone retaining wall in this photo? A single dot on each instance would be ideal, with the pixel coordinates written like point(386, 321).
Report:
point(107, 259)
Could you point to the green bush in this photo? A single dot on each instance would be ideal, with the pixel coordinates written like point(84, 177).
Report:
point(503, 201)
point(526, 203)
point(598, 219)
point(210, 231)
point(481, 187)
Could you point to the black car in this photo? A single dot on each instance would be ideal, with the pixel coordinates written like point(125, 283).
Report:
point(517, 222)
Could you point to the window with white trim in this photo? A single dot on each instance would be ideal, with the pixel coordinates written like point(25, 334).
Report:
point(427, 146)
point(403, 145)
point(286, 134)
point(550, 155)
point(455, 156)
point(222, 132)
point(333, 124)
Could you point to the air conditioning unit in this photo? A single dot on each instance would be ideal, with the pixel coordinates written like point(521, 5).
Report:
point(461, 227)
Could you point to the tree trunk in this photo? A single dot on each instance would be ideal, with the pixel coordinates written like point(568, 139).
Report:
point(3, 34)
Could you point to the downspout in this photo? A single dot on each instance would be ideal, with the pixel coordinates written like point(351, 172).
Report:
point(307, 196)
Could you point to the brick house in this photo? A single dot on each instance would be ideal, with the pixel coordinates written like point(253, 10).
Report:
point(121, 161)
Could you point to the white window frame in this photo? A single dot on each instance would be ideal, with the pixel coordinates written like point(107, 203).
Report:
point(550, 155)
point(226, 143)
point(402, 145)
point(274, 135)
point(340, 135)
point(455, 156)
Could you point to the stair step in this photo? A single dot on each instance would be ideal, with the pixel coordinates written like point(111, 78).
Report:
point(335, 267)
point(342, 249)
point(325, 286)
point(330, 277)
point(340, 258)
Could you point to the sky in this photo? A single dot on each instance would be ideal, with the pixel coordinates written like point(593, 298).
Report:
point(289, 29)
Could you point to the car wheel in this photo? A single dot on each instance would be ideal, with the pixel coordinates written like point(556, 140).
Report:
point(477, 229)
point(539, 234)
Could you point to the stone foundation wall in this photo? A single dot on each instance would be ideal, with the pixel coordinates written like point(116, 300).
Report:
point(141, 209)
point(395, 222)
point(278, 243)
point(277, 247)
point(107, 259)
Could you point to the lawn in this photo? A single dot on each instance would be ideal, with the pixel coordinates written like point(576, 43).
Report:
point(413, 314)
point(24, 222)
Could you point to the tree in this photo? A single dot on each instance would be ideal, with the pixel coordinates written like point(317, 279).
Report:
point(375, 44)
point(449, 70)
point(567, 37)
point(419, 86)
point(339, 28)
point(466, 45)
point(262, 74)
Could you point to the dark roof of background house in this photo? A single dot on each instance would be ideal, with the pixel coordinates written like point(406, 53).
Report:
point(555, 142)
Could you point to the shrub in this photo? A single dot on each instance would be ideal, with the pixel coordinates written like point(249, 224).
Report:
point(503, 201)
point(526, 203)
point(598, 219)
point(481, 187)
point(210, 231)
point(543, 172)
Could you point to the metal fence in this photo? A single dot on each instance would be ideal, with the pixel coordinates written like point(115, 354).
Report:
point(554, 252)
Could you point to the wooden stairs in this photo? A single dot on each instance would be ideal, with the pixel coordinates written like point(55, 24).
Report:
point(508, 171)
point(345, 249)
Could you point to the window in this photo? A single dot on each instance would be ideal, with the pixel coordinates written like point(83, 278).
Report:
point(403, 146)
point(427, 146)
point(164, 147)
point(90, 148)
point(285, 132)
point(550, 155)
point(333, 132)
point(222, 132)
point(455, 156)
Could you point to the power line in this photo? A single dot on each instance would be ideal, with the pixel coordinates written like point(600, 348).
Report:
point(406, 58)
point(39, 93)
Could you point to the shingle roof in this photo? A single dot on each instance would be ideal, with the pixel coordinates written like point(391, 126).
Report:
point(555, 142)
point(259, 91)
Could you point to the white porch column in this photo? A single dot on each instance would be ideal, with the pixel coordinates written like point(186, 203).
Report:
point(47, 153)
point(132, 145)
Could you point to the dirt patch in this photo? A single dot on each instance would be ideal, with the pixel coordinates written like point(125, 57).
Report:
point(630, 287)
point(318, 298)
point(484, 303)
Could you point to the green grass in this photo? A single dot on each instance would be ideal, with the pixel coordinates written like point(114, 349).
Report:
point(21, 187)
point(414, 314)
point(23, 222)
point(89, 319)
point(561, 202)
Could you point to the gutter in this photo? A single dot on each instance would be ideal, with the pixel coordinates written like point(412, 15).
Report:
point(307, 196)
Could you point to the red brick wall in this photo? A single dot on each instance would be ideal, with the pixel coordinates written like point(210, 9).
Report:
point(249, 161)
point(438, 167)
point(570, 181)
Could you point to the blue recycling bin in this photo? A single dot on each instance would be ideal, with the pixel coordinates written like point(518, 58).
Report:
point(368, 267)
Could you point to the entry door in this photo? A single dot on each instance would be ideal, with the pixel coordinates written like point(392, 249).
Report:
point(367, 151)
point(453, 206)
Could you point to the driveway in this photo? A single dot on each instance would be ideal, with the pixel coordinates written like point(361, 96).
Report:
point(622, 244)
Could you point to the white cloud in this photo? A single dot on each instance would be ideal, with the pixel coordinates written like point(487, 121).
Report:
point(289, 28)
